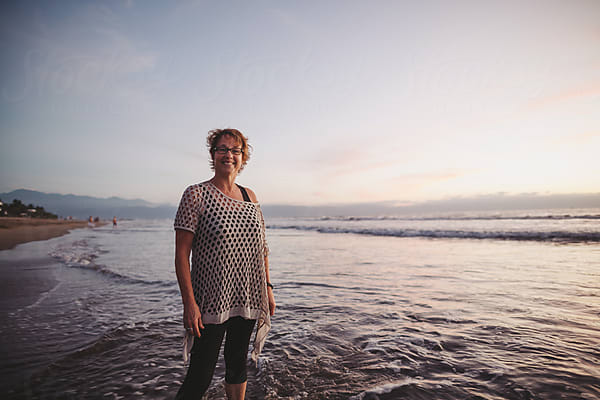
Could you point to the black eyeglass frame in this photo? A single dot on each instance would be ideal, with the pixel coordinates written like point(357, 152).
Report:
point(224, 150)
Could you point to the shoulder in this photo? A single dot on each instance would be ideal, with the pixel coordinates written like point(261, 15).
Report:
point(193, 193)
point(251, 194)
point(196, 187)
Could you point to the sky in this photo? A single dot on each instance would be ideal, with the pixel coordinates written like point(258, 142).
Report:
point(342, 101)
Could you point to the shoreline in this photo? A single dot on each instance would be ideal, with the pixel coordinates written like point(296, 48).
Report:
point(17, 230)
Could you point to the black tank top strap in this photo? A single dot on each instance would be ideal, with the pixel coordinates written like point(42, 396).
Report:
point(244, 193)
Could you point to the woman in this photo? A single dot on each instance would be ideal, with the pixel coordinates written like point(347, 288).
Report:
point(228, 291)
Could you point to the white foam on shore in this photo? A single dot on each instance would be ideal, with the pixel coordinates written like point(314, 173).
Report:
point(383, 389)
point(39, 301)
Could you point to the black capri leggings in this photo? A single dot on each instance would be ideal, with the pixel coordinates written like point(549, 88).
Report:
point(205, 353)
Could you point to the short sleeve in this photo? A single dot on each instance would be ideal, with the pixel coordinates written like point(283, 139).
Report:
point(189, 209)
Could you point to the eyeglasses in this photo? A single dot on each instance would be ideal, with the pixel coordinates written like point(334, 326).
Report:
point(236, 151)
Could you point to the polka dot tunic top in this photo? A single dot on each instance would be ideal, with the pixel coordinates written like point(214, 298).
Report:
point(228, 251)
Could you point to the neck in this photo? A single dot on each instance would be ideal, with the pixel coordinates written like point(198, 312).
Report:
point(225, 183)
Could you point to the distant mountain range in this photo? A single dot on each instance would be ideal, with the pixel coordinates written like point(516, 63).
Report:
point(486, 203)
point(82, 207)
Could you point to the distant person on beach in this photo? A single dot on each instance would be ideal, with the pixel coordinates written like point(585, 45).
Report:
point(91, 222)
point(114, 222)
point(228, 291)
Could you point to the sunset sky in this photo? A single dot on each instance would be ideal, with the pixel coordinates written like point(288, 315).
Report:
point(343, 101)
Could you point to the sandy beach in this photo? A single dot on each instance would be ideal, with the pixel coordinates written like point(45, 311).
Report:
point(14, 231)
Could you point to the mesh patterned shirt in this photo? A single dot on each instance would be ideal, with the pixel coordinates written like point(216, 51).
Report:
point(228, 251)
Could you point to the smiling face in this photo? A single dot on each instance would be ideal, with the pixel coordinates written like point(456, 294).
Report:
point(227, 163)
point(214, 137)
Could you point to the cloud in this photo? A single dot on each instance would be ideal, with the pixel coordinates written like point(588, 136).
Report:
point(577, 138)
point(350, 159)
point(588, 90)
point(428, 177)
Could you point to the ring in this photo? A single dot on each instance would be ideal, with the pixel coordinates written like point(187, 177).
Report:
point(188, 329)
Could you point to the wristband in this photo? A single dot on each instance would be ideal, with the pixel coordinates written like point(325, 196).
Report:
point(269, 285)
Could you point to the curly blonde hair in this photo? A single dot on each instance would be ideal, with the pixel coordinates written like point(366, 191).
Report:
point(216, 134)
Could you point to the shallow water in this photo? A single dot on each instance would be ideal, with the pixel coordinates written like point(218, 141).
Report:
point(359, 316)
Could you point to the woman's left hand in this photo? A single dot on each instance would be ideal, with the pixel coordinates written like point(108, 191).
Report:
point(271, 301)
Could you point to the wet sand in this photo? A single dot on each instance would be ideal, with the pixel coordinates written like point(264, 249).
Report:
point(14, 231)
point(25, 278)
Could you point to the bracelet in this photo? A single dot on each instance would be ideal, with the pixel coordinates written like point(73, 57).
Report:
point(269, 285)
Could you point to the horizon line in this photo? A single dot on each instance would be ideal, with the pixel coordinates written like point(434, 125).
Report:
point(399, 204)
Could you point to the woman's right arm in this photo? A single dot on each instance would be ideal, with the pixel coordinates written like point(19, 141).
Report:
point(191, 313)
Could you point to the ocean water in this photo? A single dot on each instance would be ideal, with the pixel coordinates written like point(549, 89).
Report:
point(454, 306)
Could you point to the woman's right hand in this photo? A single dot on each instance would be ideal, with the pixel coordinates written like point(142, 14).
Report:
point(192, 319)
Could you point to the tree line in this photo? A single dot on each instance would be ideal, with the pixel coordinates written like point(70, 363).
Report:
point(18, 209)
